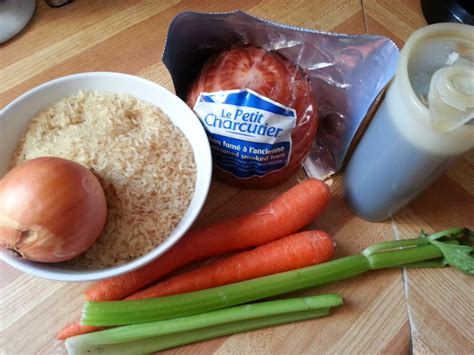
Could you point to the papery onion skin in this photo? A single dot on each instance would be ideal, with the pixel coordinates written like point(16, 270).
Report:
point(51, 209)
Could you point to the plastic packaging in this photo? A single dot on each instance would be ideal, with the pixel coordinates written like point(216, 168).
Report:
point(259, 113)
point(319, 79)
point(424, 124)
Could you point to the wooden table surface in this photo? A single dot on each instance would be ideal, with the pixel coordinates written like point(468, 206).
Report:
point(391, 311)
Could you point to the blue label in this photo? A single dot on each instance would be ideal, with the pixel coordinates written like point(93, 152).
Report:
point(249, 134)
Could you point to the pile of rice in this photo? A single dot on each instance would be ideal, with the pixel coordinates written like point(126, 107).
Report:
point(145, 164)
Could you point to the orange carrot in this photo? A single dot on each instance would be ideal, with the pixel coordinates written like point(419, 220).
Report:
point(285, 215)
point(288, 253)
point(75, 328)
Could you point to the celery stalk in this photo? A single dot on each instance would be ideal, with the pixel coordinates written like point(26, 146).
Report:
point(163, 342)
point(133, 332)
point(394, 244)
point(384, 255)
point(203, 320)
point(405, 256)
point(142, 311)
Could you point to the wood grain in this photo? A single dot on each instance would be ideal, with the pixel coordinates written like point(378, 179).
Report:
point(392, 312)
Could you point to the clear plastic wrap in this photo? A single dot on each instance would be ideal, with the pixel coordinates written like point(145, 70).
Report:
point(329, 80)
point(263, 117)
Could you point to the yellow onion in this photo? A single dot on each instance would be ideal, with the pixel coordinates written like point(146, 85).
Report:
point(51, 209)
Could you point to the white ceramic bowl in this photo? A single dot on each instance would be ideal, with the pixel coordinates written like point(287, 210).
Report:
point(15, 117)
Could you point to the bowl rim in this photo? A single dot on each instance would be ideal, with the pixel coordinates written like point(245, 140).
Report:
point(198, 199)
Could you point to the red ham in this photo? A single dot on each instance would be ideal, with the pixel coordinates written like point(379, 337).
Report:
point(274, 77)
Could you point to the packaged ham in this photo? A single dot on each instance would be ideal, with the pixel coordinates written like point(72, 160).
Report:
point(273, 97)
point(260, 115)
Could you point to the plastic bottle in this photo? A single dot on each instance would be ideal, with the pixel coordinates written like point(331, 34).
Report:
point(424, 124)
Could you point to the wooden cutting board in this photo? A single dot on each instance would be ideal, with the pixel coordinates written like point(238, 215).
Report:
point(391, 311)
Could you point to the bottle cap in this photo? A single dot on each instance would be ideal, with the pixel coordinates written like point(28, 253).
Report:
point(451, 95)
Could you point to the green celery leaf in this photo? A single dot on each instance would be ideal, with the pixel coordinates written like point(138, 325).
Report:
point(455, 233)
point(458, 256)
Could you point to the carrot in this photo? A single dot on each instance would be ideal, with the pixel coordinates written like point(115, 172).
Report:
point(285, 215)
point(292, 252)
point(75, 328)
point(288, 253)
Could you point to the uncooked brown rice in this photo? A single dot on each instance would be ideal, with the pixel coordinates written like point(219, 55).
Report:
point(146, 165)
